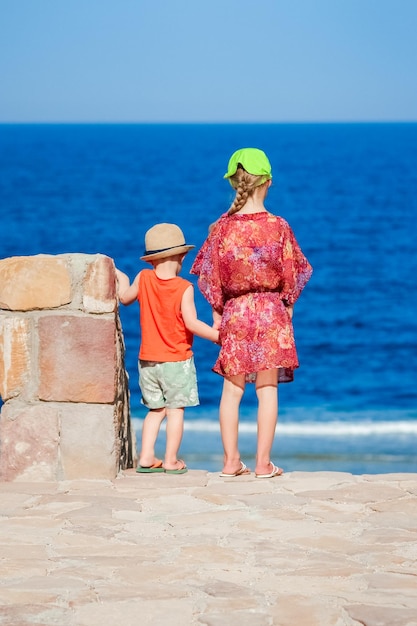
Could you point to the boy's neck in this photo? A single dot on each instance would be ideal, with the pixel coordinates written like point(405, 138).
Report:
point(167, 268)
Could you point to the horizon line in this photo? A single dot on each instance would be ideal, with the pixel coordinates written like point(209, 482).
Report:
point(206, 122)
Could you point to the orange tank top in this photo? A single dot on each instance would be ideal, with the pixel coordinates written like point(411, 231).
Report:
point(164, 335)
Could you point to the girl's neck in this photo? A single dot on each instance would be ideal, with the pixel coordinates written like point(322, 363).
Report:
point(251, 207)
point(255, 202)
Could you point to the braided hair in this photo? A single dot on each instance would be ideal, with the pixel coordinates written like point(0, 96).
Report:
point(245, 184)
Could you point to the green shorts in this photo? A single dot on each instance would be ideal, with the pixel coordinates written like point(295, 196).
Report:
point(172, 385)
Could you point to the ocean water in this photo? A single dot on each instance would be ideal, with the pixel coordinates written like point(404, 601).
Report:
point(349, 192)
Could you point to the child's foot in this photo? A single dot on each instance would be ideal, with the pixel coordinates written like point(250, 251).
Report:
point(154, 467)
point(179, 467)
point(241, 470)
point(271, 471)
point(149, 461)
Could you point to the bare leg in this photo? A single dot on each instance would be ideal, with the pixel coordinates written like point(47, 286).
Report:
point(267, 393)
point(233, 389)
point(175, 429)
point(150, 430)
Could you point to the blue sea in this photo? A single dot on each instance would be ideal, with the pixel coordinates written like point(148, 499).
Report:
point(349, 192)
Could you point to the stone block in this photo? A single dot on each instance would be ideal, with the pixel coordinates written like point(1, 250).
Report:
point(29, 442)
point(62, 375)
point(14, 355)
point(38, 282)
point(99, 289)
point(89, 442)
point(77, 359)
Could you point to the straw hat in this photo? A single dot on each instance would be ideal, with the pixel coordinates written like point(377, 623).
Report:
point(164, 240)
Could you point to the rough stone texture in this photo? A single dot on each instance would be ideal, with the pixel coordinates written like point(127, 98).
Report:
point(62, 374)
point(77, 359)
point(99, 287)
point(39, 282)
point(198, 550)
point(14, 355)
point(29, 448)
point(97, 454)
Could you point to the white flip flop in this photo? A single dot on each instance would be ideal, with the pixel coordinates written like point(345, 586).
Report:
point(243, 470)
point(276, 471)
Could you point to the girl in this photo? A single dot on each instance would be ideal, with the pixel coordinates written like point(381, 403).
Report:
point(251, 270)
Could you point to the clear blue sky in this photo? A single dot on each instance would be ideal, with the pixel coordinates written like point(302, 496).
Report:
point(208, 60)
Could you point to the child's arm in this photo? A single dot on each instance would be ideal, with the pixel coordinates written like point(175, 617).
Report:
point(290, 309)
point(127, 292)
point(217, 319)
point(189, 314)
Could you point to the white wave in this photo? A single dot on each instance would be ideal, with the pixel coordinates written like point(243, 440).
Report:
point(335, 428)
point(343, 429)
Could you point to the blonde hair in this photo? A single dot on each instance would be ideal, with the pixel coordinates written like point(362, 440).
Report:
point(245, 184)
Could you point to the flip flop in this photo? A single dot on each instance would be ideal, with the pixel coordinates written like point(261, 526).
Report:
point(180, 470)
point(243, 470)
point(156, 468)
point(276, 471)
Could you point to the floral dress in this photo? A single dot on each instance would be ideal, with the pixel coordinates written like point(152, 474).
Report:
point(249, 268)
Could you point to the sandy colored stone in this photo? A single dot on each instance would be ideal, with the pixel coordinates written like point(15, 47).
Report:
point(382, 615)
point(99, 289)
point(88, 441)
point(62, 351)
point(134, 612)
point(77, 359)
point(163, 549)
point(14, 355)
point(34, 282)
point(35, 613)
point(298, 610)
point(29, 438)
point(216, 617)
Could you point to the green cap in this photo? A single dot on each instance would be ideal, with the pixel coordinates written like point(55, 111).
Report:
point(253, 160)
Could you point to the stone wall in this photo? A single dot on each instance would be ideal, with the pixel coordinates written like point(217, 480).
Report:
point(62, 376)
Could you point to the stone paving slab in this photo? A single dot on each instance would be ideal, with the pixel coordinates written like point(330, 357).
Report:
point(304, 549)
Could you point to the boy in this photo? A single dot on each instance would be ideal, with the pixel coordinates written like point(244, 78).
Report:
point(168, 321)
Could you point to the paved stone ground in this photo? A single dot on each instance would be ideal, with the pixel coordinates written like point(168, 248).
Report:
point(305, 549)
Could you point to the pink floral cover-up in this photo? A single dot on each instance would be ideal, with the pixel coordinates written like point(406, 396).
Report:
point(249, 265)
